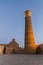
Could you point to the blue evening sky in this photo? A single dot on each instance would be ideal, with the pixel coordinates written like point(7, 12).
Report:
point(12, 22)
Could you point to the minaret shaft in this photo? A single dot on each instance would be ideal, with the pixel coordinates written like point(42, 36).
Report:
point(29, 37)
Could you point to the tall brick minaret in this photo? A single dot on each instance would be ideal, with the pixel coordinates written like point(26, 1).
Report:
point(29, 37)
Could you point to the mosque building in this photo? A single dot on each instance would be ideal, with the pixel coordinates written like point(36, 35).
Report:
point(30, 46)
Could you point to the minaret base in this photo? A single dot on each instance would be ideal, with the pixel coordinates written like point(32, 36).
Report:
point(30, 50)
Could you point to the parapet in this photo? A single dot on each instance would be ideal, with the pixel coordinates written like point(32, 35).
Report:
point(28, 13)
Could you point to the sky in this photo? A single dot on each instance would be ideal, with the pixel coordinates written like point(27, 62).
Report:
point(12, 20)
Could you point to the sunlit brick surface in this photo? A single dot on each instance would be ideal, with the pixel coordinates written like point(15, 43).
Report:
point(29, 36)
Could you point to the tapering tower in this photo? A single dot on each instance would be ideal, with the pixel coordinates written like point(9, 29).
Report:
point(29, 37)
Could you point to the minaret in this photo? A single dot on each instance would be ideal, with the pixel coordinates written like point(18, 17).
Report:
point(29, 37)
